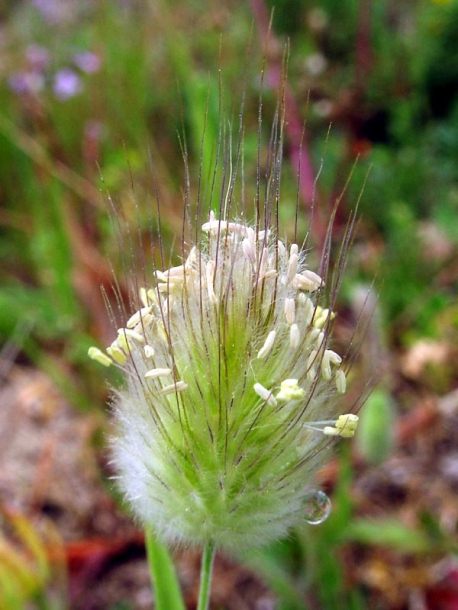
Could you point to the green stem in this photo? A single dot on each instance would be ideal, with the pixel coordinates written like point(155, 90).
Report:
point(167, 592)
point(206, 576)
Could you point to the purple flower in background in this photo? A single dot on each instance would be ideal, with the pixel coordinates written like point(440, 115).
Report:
point(26, 83)
point(67, 84)
point(88, 62)
point(31, 80)
point(37, 57)
point(94, 130)
point(55, 11)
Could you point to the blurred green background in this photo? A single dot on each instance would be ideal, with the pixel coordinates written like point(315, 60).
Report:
point(96, 101)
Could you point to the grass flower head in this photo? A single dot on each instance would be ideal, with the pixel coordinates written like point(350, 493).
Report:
point(231, 390)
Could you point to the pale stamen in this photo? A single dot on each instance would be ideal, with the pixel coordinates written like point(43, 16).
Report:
point(265, 394)
point(209, 274)
point(311, 362)
point(263, 262)
point(292, 263)
point(341, 381)
point(290, 311)
point(326, 361)
point(307, 280)
point(149, 351)
point(294, 336)
point(179, 386)
point(154, 373)
point(137, 317)
point(268, 344)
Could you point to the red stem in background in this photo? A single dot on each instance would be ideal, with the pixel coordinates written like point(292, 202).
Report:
point(363, 45)
point(294, 125)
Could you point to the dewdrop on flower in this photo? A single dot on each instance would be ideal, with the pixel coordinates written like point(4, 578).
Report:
point(231, 392)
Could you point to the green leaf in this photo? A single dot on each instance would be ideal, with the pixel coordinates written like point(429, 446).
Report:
point(167, 591)
point(375, 438)
point(387, 532)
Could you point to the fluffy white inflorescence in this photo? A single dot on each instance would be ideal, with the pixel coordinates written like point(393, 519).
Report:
point(230, 392)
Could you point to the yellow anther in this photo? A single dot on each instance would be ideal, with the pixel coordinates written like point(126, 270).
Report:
point(130, 334)
point(290, 390)
point(116, 353)
point(322, 316)
point(345, 426)
point(96, 354)
point(349, 421)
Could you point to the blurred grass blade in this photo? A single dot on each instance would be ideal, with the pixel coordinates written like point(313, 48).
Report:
point(32, 542)
point(167, 593)
point(269, 563)
point(390, 533)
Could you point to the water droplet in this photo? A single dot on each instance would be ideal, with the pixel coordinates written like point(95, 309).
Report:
point(317, 507)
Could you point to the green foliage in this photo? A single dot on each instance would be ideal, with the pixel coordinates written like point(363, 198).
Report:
point(308, 565)
point(375, 438)
point(388, 533)
point(166, 587)
point(26, 568)
point(155, 97)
